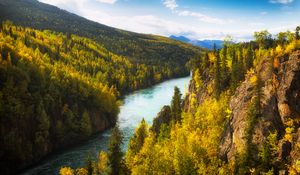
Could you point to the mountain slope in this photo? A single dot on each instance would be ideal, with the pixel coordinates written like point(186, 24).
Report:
point(57, 90)
point(148, 49)
point(238, 118)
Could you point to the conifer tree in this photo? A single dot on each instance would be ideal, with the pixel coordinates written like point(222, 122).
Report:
point(85, 127)
point(137, 141)
point(234, 71)
point(217, 73)
point(115, 153)
point(297, 35)
point(249, 57)
point(176, 105)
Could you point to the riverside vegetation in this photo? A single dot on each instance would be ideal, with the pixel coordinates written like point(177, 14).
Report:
point(240, 116)
point(61, 77)
point(57, 89)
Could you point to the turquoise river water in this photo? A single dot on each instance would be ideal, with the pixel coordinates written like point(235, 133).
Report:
point(140, 104)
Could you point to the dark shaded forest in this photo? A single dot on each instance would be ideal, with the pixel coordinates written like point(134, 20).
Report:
point(57, 89)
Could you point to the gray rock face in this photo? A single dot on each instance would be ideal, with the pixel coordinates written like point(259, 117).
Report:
point(288, 93)
point(280, 103)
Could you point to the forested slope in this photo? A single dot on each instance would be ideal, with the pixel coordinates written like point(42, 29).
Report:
point(149, 49)
point(57, 89)
point(240, 116)
point(61, 80)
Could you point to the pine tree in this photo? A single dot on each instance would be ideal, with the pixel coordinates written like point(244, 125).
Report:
point(176, 105)
point(115, 153)
point(85, 127)
point(258, 93)
point(217, 72)
point(205, 61)
point(137, 141)
point(42, 129)
point(234, 71)
point(297, 35)
point(240, 62)
point(224, 59)
point(249, 58)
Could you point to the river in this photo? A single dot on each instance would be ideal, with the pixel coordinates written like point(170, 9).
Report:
point(140, 104)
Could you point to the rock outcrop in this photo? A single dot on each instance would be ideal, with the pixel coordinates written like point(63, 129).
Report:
point(280, 105)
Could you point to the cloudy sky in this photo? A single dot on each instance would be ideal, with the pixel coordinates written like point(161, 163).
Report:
point(196, 19)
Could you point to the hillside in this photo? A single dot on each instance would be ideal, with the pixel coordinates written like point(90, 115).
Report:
point(62, 75)
point(140, 48)
point(240, 116)
point(57, 89)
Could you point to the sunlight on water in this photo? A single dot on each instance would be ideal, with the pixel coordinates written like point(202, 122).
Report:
point(141, 104)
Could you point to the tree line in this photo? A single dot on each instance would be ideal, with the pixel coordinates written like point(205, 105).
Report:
point(56, 89)
point(187, 140)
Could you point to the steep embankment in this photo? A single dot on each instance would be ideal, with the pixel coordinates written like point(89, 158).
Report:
point(278, 116)
point(280, 113)
point(240, 116)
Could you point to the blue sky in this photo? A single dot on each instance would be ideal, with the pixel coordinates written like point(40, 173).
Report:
point(196, 19)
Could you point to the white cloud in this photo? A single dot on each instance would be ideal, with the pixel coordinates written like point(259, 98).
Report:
point(107, 1)
point(204, 18)
point(281, 1)
point(171, 4)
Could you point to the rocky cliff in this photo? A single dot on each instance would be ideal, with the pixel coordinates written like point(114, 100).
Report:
point(279, 113)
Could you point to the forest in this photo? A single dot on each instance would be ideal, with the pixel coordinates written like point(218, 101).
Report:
point(57, 89)
point(187, 139)
point(139, 48)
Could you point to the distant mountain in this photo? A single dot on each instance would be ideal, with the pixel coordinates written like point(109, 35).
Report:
point(180, 38)
point(208, 44)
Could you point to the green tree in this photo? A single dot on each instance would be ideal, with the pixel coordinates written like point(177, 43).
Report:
point(249, 57)
point(136, 142)
point(85, 127)
point(234, 71)
point(42, 131)
point(115, 153)
point(205, 61)
point(176, 105)
point(282, 38)
point(297, 35)
point(217, 80)
point(263, 38)
point(268, 152)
